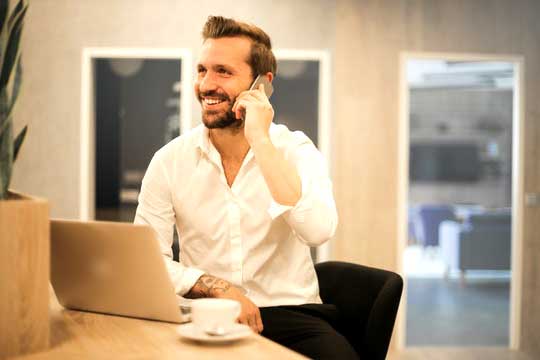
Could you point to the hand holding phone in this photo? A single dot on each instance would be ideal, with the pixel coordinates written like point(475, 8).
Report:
point(260, 114)
point(262, 79)
point(255, 85)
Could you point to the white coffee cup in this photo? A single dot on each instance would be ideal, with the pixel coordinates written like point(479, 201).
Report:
point(214, 315)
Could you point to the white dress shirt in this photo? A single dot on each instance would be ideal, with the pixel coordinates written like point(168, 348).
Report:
point(239, 233)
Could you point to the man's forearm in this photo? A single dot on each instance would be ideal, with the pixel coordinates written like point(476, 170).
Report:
point(208, 286)
point(280, 176)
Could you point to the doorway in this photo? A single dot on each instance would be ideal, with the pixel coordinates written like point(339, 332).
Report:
point(460, 192)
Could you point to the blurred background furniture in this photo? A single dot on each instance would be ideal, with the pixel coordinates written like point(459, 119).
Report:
point(367, 300)
point(427, 219)
point(482, 241)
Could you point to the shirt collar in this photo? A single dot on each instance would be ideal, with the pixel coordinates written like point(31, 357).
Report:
point(204, 138)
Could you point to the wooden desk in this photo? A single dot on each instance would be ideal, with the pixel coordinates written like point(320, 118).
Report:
point(82, 335)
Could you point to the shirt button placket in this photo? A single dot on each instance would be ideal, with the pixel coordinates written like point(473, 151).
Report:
point(236, 241)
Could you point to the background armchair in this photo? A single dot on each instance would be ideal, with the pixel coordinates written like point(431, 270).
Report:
point(367, 300)
point(429, 218)
point(481, 242)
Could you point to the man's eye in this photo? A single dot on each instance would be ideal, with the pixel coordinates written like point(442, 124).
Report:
point(224, 71)
point(201, 70)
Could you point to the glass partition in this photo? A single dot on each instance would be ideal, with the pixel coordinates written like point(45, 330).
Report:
point(457, 258)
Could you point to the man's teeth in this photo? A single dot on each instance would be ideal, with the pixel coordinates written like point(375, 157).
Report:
point(212, 101)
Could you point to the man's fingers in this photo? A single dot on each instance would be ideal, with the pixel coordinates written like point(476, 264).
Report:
point(243, 95)
point(254, 95)
point(242, 319)
point(253, 323)
point(258, 93)
point(258, 320)
point(252, 319)
point(240, 98)
point(250, 314)
point(240, 107)
point(260, 326)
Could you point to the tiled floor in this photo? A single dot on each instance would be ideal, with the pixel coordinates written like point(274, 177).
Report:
point(449, 313)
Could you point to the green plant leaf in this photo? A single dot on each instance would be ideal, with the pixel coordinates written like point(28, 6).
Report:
point(4, 125)
point(5, 120)
point(18, 142)
point(12, 49)
point(6, 158)
point(4, 5)
point(16, 86)
point(7, 27)
point(4, 106)
point(10, 82)
point(4, 29)
point(16, 11)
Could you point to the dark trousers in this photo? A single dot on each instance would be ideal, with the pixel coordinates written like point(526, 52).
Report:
point(307, 329)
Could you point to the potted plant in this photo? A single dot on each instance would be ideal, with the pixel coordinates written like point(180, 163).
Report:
point(24, 220)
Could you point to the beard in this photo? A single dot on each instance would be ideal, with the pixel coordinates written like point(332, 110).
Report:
point(219, 119)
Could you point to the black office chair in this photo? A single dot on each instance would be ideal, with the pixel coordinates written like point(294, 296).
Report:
point(367, 300)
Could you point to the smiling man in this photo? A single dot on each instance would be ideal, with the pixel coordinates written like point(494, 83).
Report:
point(248, 197)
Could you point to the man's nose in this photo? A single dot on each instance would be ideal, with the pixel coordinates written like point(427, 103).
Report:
point(207, 83)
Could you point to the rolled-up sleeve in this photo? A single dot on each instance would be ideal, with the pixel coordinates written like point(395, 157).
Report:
point(314, 217)
point(155, 208)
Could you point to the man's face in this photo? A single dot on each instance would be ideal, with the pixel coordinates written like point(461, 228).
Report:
point(222, 74)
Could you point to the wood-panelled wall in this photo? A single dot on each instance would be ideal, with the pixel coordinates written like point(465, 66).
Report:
point(370, 34)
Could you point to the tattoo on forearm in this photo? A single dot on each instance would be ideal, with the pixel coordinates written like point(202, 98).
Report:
point(209, 285)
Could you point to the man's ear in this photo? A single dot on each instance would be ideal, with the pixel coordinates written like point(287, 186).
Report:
point(269, 76)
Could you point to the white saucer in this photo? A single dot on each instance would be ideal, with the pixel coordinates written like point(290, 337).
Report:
point(237, 332)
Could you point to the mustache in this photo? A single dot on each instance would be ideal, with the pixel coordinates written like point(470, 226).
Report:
point(214, 94)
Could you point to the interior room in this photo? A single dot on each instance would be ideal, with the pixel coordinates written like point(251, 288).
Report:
point(460, 200)
point(425, 113)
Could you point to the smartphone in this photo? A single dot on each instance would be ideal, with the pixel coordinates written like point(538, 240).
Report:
point(262, 79)
point(268, 89)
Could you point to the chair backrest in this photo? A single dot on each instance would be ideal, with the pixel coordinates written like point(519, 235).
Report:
point(367, 300)
point(431, 217)
point(486, 241)
point(491, 219)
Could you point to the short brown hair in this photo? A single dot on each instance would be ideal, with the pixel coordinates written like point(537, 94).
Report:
point(261, 59)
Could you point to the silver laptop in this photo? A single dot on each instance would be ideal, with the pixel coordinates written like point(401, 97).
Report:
point(112, 268)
